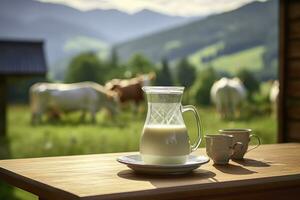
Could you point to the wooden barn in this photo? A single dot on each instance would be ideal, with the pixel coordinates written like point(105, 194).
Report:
point(18, 59)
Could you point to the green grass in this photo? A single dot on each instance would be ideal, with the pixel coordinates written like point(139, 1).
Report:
point(247, 59)
point(70, 137)
point(196, 58)
point(250, 59)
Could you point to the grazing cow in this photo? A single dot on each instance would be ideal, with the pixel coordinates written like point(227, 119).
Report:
point(56, 97)
point(130, 90)
point(274, 92)
point(228, 95)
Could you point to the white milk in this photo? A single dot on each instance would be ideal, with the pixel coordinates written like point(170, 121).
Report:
point(164, 144)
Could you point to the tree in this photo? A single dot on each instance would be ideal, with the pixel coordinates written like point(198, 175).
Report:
point(201, 89)
point(249, 80)
point(164, 77)
point(114, 59)
point(116, 70)
point(186, 73)
point(139, 64)
point(86, 67)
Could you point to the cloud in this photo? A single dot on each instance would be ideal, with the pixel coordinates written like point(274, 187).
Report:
point(171, 7)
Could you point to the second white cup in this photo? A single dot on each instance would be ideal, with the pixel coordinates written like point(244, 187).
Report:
point(241, 135)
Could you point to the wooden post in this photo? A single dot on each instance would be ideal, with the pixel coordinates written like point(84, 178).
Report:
point(2, 106)
point(281, 115)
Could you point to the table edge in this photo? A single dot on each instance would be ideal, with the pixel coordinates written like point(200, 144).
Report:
point(270, 183)
point(35, 187)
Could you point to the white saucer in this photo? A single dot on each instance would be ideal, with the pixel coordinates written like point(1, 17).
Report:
point(136, 163)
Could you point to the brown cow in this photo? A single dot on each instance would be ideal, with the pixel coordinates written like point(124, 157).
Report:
point(130, 90)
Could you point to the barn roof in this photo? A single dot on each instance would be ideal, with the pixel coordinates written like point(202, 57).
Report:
point(22, 58)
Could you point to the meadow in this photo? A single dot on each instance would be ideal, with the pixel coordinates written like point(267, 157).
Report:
point(69, 136)
point(230, 63)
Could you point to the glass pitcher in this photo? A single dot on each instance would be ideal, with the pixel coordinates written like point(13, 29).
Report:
point(165, 137)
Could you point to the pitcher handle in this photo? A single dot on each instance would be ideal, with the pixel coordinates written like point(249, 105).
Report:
point(199, 127)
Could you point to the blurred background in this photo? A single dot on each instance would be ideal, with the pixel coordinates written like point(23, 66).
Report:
point(123, 45)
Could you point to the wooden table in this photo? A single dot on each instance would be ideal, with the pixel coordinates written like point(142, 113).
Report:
point(271, 171)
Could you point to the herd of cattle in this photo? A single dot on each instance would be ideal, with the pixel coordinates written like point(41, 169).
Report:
point(88, 97)
point(55, 99)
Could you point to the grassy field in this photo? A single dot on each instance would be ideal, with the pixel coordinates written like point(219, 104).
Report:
point(69, 136)
point(211, 50)
point(246, 59)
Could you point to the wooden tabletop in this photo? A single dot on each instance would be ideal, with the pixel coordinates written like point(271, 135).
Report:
point(102, 177)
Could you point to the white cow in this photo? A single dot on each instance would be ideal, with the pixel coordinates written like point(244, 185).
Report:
point(57, 97)
point(274, 92)
point(228, 95)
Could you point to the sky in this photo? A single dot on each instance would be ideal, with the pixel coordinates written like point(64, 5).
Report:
point(170, 7)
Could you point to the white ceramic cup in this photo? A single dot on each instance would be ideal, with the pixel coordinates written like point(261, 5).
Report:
point(241, 135)
point(220, 147)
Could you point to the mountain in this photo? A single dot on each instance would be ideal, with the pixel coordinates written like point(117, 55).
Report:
point(249, 26)
point(60, 25)
point(113, 24)
point(121, 26)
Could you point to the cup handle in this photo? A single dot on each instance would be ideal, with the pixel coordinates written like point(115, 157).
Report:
point(199, 127)
point(258, 139)
point(237, 144)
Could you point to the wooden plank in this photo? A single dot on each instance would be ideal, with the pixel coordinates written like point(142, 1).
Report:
point(294, 29)
point(293, 88)
point(267, 169)
point(294, 49)
point(293, 9)
point(294, 130)
point(289, 68)
point(294, 113)
point(293, 109)
point(2, 106)
point(294, 69)
point(293, 140)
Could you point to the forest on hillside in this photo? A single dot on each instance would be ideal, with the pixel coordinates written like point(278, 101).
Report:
point(253, 25)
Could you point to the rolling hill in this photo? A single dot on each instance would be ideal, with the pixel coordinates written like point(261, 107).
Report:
point(251, 26)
